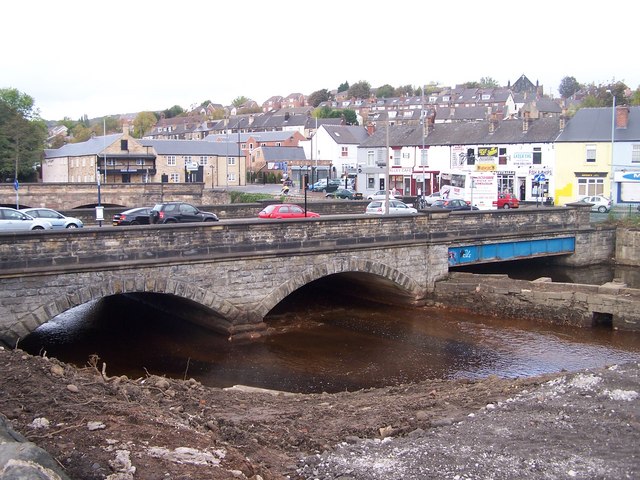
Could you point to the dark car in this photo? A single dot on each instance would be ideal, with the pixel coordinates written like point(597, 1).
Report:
point(133, 216)
point(454, 204)
point(326, 187)
point(179, 212)
point(344, 193)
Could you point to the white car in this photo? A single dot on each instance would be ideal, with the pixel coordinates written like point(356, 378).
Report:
point(381, 195)
point(396, 207)
point(429, 199)
point(600, 204)
point(57, 220)
point(12, 220)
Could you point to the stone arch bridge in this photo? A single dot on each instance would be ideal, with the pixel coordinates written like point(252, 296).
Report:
point(241, 269)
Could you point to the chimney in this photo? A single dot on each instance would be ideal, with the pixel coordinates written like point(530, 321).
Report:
point(525, 122)
point(493, 123)
point(563, 119)
point(371, 128)
point(622, 116)
point(431, 121)
point(251, 119)
point(125, 129)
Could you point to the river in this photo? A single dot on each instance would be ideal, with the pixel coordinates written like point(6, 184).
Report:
point(320, 340)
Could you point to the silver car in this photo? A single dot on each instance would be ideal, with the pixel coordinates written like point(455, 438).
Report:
point(396, 207)
point(12, 220)
point(56, 219)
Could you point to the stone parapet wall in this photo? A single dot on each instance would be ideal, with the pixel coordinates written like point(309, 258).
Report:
point(628, 246)
point(542, 300)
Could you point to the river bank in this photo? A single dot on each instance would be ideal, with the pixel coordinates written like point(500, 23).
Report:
point(568, 425)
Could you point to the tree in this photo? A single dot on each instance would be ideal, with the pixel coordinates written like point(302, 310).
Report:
point(317, 97)
point(174, 111)
point(21, 141)
point(406, 91)
point(343, 87)
point(488, 82)
point(385, 91)
point(361, 89)
point(350, 117)
point(568, 87)
point(239, 101)
point(22, 103)
point(143, 122)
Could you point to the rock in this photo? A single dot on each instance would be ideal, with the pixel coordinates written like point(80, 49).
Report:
point(96, 426)
point(57, 370)
point(162, 383)
point(73, 388)
point(39, 422)
point(386, 431)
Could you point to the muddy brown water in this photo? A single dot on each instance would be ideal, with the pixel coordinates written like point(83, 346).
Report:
point(320, 340)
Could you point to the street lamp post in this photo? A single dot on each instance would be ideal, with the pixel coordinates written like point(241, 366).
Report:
point(613, 134)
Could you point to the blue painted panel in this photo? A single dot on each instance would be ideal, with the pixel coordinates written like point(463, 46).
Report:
point(503, 251)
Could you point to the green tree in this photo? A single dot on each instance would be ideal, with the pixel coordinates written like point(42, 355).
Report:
point(22, 103)
point(471, 84)
point(385, 91)
point(22, 142)
point(488, 82)
point(143, 122)
point(569, 86)
point(239, 101)
point(635, 98)
point(174, 111)
point(80, 133)
point(317, 97)
point(406, 91)
point(343, 87)
point(350, 117)
point(361, 89)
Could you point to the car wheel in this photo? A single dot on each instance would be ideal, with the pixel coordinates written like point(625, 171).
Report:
point(324, 190)
point(506, 206)
point(171, 220)
point(135, 222)
point(209, 220)
point(38, 228)
point(602, 209)
point(72, 225)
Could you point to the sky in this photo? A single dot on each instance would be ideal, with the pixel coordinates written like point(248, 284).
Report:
point(112, 57)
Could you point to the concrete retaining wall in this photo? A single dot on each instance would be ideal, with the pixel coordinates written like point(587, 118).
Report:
point(628, 246)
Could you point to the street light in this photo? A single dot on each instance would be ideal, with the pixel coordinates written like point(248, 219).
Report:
point(613, 133)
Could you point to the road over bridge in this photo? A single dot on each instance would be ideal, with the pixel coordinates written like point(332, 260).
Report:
point(238, 270)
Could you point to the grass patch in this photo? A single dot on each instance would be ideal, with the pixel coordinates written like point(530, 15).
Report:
point(244, 197)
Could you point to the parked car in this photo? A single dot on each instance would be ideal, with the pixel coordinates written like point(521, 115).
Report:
point(12, 220)
point(285, 210)
point(179, 212)
point(429, 199)
point(133, 216)
point(345, 193)
point(396, 207)
point(326, 186)
point(56, 219)
point(381, 195)
point(454, 204)
point(600, 203)
point(506, 200)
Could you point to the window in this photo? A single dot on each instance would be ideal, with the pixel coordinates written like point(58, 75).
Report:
point(174, 177)
point(140, 162)
point(171, 160)
point(397, 161)
point(231, 177)
point(590, 186)
point(345, 151)
point(537, 155)
point(502, 156)
point(591, 153)
point(111, 162)
point(204, 160)
point(471, 156)
point(635, 153)
point(424, 158)
point(370, 158)
point(371, 182)
point(187, 159)
point(124, 144)
point(231, 160)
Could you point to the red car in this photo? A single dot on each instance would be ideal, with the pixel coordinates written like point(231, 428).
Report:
point(506, 200)
point(285, 210)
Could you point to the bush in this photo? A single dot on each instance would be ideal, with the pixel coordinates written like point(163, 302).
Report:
point(242, 197)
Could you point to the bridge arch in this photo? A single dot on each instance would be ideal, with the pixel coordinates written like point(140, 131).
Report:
point(336, 266)
point(50, 306)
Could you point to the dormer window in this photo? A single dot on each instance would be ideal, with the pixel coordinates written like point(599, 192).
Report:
point(124, 144)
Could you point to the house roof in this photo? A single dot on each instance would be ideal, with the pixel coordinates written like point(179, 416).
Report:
point(594, 125)
point(542, 130)
point(93, 146)
point(347, 134)
point(259, 136)
point(191, 147)
point(272, 154)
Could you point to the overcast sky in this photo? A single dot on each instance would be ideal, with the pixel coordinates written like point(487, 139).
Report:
point(118, 56)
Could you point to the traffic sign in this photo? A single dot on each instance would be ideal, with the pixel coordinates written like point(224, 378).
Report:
point(16, 185)
point(539, 178)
